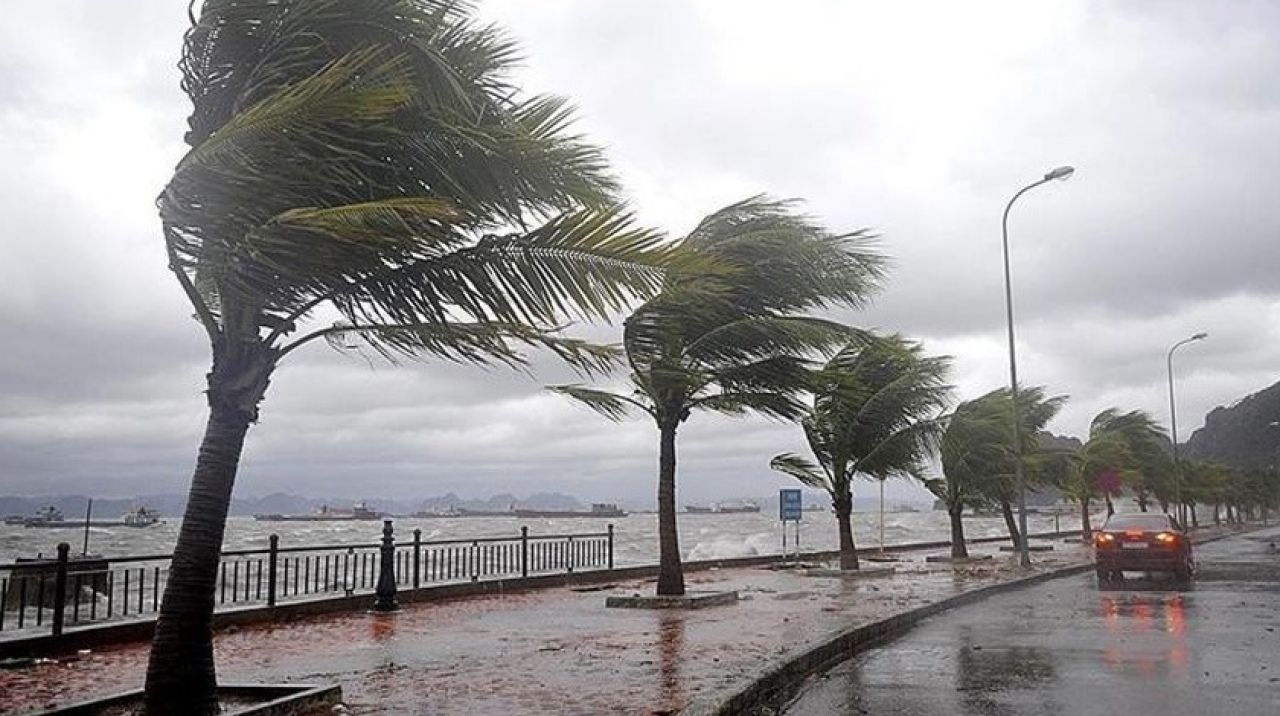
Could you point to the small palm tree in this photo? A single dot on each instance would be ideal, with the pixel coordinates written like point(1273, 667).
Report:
point(1123, 446)
point(366, 161)
point(726, 337)
point(975, 444)
point(875, 413)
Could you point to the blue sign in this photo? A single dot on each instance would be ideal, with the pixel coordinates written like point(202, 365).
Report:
point(790, 505)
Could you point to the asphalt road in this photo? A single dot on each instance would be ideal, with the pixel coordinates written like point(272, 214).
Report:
point(1068, 647)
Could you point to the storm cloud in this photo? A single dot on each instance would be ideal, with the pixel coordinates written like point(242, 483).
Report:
point(917, 121)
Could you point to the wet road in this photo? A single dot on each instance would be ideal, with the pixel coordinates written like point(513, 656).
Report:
point(1066, 647)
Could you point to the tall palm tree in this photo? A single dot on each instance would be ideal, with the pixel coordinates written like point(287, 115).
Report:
point(975, 444)
point(726, 336)
point(875, 413)
point(366, 160)
point(1000, 486)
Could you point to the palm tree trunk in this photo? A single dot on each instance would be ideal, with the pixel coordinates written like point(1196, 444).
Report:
point(670, 571)
point(180, 675)
point(1111, 508)
point(1217, 514)
point(1195, 519)
point(844, 515)
point(1086, 529)
point(1141, 496)
point(1007, 510)
point(958, 548)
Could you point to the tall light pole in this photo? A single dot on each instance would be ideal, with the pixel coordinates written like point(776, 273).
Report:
point(1024, 555)
point(1173, 427)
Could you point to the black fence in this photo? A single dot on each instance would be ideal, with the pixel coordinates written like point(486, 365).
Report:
point(53, 594)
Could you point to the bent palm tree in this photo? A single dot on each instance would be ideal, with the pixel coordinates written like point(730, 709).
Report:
point(875, 413)
point(365, 158)
point(1000, 486)
point(1126, 446)
point(725, 337)
point(974, 444)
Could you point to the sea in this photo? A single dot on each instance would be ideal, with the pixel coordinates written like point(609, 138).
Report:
point(702, 536)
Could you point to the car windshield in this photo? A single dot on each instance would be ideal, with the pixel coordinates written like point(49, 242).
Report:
point(1138, 522)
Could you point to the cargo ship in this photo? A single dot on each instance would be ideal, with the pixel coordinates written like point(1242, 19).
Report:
point(360, 511)
point(599, 509)
point(742, 508)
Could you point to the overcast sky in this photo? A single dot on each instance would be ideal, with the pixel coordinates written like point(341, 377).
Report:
point(917, 120)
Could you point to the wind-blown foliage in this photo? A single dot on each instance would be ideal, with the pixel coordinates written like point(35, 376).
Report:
point(975, 445)
point(369, 161)
point(999, 485)
point(1122, 448)
point(875, 414)
point(726, 337)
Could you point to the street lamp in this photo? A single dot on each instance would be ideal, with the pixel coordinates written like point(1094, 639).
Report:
point(1173, 425)
point(1059, 174)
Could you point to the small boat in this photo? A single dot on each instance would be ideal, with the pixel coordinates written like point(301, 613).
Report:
point(141, 517)
point(697, 509)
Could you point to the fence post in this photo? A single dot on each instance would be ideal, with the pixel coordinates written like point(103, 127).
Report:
point(417, 555)
point(610, 547)
point(524, 551)
point(272, 557)
point(568, 554)
point(60, 588)
point(386, 592)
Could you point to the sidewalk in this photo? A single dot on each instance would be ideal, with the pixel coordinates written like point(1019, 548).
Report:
point(551, 651)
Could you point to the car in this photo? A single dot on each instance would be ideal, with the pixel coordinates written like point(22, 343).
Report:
point(1142, 542)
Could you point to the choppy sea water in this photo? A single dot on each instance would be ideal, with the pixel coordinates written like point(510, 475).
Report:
point(702, 536)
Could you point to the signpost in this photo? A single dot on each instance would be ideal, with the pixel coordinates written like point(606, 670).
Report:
point(790, 509)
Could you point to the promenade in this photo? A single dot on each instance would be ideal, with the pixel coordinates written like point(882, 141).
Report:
point(550, 651)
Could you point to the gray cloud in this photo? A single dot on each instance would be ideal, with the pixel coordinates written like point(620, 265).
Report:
point(918, 123)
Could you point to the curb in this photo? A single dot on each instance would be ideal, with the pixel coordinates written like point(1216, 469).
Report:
point(846, 644)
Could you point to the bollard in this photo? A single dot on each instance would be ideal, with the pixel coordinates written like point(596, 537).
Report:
point(524, 551)
point(417, 556)
point(60, 588)
point(272, 559)
point(386, 591)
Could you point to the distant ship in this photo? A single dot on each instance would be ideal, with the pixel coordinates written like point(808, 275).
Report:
point(49, 516)
point(599, 509)
point(141, 517)
point(741, 508)
point(360, 511)
point(723, 509)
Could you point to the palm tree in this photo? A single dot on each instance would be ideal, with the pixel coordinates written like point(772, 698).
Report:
point(1121, 448)
point(726, 337)
point(875, 413)
point(975, 443)
point(1000, 486)
point(366, 160)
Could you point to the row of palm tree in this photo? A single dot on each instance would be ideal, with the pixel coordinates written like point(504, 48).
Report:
point(363, 172)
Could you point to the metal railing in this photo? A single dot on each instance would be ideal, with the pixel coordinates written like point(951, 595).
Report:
point(53, 594)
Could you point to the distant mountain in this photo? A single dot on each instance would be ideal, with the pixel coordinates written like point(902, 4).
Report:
point(1242, 433)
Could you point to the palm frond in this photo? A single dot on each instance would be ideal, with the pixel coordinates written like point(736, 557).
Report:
point(476, 343)
point(801, 469)
point(611, 405)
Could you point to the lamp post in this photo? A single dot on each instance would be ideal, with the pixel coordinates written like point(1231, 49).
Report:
point(1024, 556)
point(1173, 427)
